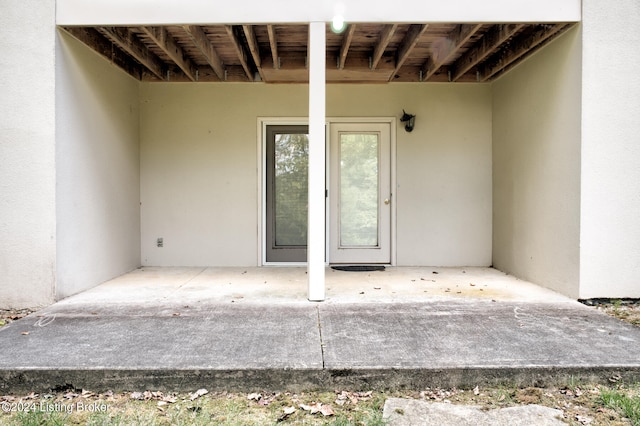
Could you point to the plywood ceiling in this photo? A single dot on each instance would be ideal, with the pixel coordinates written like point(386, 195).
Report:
point(362, 53)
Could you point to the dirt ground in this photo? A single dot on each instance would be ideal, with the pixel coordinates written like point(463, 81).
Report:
point(625, 309)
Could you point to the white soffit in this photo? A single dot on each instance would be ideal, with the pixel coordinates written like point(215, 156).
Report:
point(166, 12)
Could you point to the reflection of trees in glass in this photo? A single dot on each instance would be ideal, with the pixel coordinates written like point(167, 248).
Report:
point(291, 177)
point(359, 189)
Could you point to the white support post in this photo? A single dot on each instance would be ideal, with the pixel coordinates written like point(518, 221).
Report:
point(317, 167)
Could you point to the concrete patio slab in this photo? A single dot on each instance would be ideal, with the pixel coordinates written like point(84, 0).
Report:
point(252, 328)
point(288, 285)
point(463, 343)
point(91, 346)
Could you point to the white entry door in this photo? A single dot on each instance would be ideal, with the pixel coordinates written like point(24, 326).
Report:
point(360, 193)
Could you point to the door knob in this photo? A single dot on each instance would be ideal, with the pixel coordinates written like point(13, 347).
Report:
point(386, 201)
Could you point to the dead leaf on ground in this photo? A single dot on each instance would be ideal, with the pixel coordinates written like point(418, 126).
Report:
point(287, 411)
point(254, 397)
point(326, 410)
point(318, 407)
point(25, 333)
point(344, 397)
point(197, 394)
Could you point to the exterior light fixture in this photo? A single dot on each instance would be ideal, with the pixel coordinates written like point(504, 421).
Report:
point(337, 24)
point(410, 119)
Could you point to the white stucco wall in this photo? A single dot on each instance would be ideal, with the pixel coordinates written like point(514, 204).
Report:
point(200, 184)
point(27, 153)
point(536, 167)
point(610, 213)
point(98, 169)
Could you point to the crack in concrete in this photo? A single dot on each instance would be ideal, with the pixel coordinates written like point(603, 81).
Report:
point(320, 334)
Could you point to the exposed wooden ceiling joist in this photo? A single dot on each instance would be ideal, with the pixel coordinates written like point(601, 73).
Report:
point(517, 49)
point(93, 39)
point(252, 42)
point(363, 53)
point(383, 41)
point(442, 52)
point(273, 45)
point(408, 43)
point(165, 41)
point(346, 43)
point(234, 36)
point(127, 41)
point(200, 40)
point(488, 44)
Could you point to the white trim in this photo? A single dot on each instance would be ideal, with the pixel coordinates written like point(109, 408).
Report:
point(178, 12)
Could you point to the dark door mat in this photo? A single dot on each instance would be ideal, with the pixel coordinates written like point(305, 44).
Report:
point(358, 268)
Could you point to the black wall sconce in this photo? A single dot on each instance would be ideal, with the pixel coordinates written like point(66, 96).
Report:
point(410, 119)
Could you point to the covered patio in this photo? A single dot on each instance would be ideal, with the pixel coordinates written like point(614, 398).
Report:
point(151, 149)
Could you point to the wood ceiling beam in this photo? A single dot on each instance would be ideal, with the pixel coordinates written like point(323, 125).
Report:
point(163, 39)
point(96, 41)
point(240, 50)
point(202, 43)
point(129, 42)
point(252, 41)
point(383, 41)
point(487, 45)
point(408, 43)
point(293, 70)
point(443, 51)
point(519, 48)
point(561, 29)
point(273, 43)
point(346, 43)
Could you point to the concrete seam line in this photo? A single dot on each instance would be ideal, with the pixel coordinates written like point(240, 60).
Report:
point(320, 333)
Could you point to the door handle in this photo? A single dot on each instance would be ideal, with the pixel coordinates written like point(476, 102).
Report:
point(386, 201)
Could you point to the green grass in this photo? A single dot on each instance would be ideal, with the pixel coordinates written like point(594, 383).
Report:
point(224, 410)
point(624, 402)
point(603, 404)
point(38, 418)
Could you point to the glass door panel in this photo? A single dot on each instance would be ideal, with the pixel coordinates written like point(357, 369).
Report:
point(287, 179)
point(359, 189)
